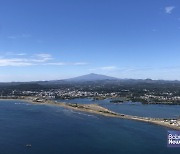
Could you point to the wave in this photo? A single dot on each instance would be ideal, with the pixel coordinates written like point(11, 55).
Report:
point(22, 104)
point(84, 114)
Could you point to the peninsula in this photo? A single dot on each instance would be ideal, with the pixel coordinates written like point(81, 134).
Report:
point(96, 109)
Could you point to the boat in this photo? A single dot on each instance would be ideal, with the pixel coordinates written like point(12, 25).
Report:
point(28, 145)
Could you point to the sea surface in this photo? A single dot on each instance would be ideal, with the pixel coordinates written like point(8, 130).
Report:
point(55, 130)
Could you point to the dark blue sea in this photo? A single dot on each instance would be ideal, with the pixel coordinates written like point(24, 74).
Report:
point(55, 130)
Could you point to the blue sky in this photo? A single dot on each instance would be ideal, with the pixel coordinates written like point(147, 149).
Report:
point(57, 39)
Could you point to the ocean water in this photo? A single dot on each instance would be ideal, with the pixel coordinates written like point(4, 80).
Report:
point(55, 130)
point(150, 110)
point(137, 109)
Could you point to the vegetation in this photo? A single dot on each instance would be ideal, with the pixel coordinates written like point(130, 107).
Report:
point(145, 91)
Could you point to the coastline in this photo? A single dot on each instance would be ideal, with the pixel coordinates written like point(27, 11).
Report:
point(96, 109)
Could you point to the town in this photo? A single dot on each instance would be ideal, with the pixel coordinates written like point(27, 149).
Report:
point(118, 91)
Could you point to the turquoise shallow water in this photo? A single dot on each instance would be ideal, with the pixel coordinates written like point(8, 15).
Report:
point(55, 130)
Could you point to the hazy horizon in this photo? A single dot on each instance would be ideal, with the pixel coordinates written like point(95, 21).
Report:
point(82, 75)
point(52, 40)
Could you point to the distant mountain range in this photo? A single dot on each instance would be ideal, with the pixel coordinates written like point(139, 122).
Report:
point(91, 77)
point(83, 78)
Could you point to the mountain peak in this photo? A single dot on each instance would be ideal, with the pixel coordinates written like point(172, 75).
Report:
point(92, 77)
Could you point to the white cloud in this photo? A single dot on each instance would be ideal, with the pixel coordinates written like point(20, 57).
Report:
point(14, 62)
point(70, 64)
point(169, 9)
point(21, 54)
point(36, 59)
point(105, 68)
point(15, 54)
point(28, 61)
point(42, 57)
point(109, 68)
point(80, 63)
point(56, 64)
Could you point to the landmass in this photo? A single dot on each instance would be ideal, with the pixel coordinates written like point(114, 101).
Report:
point(119, 91)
